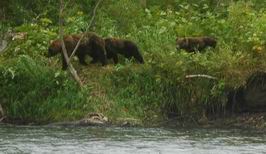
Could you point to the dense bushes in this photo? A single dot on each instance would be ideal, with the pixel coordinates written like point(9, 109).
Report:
point(33, 92)
point(162, 86)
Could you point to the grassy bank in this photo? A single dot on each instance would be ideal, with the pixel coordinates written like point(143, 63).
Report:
point(34, 89)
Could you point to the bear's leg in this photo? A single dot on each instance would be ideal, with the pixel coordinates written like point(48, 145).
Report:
point(103, 59)
point(94, 57)
point(94, 60)
point(115, 58)
point(100, 54)
point(110, 53)
point(82, 59)
point(139, 58)
point(128, 56)
point(64, 63)
point(136, 54)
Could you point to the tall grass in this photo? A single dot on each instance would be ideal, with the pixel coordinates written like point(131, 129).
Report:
point(33, 92)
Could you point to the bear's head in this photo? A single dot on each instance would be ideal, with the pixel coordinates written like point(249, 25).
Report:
point(54, 48)
point(210, 41)
point(181, 43)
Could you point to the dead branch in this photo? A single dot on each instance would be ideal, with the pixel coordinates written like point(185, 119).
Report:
point(87, 29)
point(61, 34)
point(200, 76)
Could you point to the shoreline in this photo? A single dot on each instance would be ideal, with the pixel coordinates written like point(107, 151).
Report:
point(255, 121)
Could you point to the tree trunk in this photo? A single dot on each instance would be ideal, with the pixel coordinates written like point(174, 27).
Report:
point(61, 34)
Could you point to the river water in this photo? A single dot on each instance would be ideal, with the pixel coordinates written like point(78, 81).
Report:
point(115, 140)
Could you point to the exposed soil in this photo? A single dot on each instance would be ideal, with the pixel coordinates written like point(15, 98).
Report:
point(244, 120)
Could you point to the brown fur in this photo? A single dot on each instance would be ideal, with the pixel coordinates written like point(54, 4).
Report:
point(192, 44)
point(91, 45)
point(126, 48)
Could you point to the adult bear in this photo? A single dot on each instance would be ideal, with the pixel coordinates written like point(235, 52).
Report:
point(126, 48)
point(91, 45)
point(193, 44)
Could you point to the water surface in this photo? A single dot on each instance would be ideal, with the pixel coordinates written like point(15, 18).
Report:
point(114, 140)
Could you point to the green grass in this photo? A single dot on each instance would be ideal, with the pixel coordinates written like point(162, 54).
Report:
point(33, 92)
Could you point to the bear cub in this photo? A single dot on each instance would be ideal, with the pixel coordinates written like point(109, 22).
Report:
point(193, 44)
point(91, 45)
point(126, 48)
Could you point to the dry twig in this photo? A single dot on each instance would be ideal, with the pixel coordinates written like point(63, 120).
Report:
point(87, 29)
point(200, 76)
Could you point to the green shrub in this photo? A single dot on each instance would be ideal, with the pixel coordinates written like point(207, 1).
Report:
point(33, 92)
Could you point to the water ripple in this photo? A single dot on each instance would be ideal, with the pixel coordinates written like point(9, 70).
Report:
point(114, 140)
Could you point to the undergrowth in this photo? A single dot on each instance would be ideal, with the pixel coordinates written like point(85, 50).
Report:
point(33, 92)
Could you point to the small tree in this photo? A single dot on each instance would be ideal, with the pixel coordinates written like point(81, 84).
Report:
point(61, 34)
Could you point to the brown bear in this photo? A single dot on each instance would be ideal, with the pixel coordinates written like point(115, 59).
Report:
point(193, 44)
point(91, 45)
point(126, 48)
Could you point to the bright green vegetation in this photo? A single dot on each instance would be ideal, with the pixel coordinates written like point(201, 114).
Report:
point(34, 89)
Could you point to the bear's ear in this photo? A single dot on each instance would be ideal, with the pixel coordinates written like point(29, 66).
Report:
point(51, 41)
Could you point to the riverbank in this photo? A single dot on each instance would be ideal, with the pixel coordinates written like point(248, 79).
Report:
point(245, 121)
point(37, 92)
point(255, 121)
